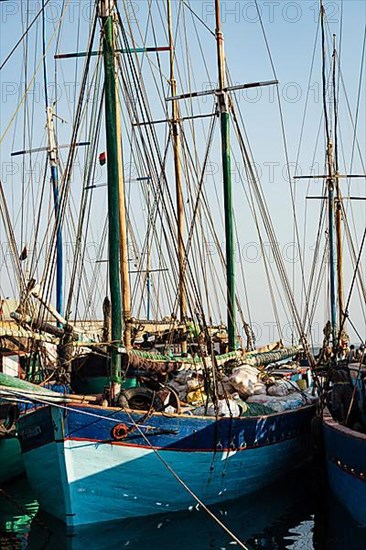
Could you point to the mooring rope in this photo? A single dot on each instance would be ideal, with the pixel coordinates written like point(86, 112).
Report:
point(185, 486)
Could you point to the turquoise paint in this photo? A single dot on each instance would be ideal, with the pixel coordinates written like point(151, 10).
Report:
point(11, 461)
point(72, 483)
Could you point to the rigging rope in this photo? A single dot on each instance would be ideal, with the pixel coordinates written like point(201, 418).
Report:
point(345, 313)
point(198, 17)
point(292, 194)
point(41, 11)
point(185, 486)
point(34, 76)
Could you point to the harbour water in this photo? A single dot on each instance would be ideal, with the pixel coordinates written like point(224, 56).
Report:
point(294, 514)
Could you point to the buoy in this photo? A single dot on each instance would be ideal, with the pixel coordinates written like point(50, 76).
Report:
point(119, 431)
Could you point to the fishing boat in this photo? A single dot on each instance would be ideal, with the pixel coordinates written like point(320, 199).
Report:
point(138, 449)
point(342, 412)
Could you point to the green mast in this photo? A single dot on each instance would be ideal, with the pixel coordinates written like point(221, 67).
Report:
point(223, 102)
point(106, 14)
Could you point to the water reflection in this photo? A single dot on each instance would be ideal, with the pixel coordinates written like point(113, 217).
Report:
point(18, 507)
point(334, 528)
point(293, 515)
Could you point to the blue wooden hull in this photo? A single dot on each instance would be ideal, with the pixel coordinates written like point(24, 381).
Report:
point(345, 453)
point(81, 474)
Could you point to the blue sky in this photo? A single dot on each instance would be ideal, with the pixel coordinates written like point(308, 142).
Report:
point(291, 29)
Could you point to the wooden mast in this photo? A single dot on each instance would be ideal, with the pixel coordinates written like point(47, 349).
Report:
point(338, 200)
point(332, 256)
point(178, 173)
point(125, 278)
point(113, 175)
point(330, 182)
point(223, 104)
point(338, 213)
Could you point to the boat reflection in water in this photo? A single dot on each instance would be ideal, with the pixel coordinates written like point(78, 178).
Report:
point(256, 520)
point(18, 507)
point(289, 515)
point(334, 528)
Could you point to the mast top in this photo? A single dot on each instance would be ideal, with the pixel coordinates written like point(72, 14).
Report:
point(106, 8)
point(220, 48)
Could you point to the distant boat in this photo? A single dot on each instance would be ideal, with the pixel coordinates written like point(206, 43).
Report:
point(343, 414)
point(345, 455)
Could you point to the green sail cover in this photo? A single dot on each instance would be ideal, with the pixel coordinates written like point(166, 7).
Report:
point(252, 358)
point(15, 383)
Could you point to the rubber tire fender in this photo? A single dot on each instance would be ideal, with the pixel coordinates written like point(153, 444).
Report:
point(141, 399)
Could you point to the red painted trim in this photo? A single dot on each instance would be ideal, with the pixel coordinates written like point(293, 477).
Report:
point(152, 448)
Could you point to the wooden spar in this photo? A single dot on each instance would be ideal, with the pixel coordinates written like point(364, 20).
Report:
point(35, 291)
point(339, 176)
point(106, 14)
point(226, 167)
point(125, 278)
point(235, 88)
point(39, 149)
point(38, 325)
point(11, 386)
point(178, 174)
point(123, 51)
point(338, 223)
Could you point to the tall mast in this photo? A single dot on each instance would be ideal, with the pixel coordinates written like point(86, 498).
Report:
point(338, 202)
point(223, 103)
point(330, 182)
point(113, 174)
point(178, 172)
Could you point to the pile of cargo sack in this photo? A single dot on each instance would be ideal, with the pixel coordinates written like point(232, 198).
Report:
point(246, 391)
